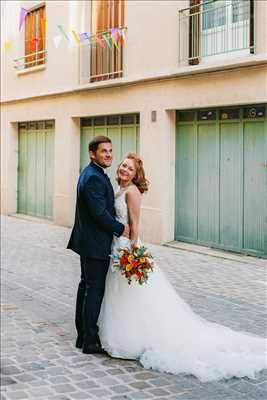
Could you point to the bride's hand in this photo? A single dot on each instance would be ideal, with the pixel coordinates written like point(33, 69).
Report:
point(126, 231)
point(134, 244)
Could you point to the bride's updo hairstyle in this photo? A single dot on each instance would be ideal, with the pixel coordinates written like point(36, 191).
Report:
point(139, 180)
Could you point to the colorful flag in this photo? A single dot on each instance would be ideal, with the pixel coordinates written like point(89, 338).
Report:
point(7, 45)
point(83, 37)
point(22, 15)
point(99, 41)
point(123, 32)
point(63, 32)
point(76, 37)
point(105, 36)
point(113, 35)
point(57, 39)
point(119, 37)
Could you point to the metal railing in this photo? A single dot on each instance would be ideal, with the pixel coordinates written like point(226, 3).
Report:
point(33, 59)
point(100, 62)
point(215, 27)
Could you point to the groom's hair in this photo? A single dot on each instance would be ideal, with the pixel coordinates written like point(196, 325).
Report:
point(96, 141)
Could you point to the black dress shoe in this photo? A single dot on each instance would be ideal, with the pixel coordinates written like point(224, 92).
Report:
point(93, 349)
point(79, 342)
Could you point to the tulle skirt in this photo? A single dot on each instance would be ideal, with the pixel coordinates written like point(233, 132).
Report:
point(153, 324)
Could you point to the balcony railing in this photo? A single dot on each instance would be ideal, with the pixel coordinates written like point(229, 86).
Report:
point(214, 28)
point(30, 60)
point(100, 62)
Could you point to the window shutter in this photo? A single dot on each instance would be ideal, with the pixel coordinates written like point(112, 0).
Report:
point(34, 37)
point(28, 35)
point(41, 33)
point(106, 14)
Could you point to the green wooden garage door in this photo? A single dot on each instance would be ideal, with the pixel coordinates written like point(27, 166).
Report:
point(123, 130)
point(221, 178)
point(36, 168)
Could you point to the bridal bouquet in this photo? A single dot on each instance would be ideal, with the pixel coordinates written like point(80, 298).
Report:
point(135, 264)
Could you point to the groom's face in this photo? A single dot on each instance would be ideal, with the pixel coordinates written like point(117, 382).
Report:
point(103, 155)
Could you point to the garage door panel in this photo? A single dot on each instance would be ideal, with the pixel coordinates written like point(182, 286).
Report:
point(36, 169)
point(22, 172)
point(254, 187)
point(231, 185)
point(124, 138)
point(31, 172)
point(114, 133)
point(207, 186)
point(86, 137)
point(100, 131)
point(128, 139)
point(185, 178)
point(137, 139)
point(40, 173)
point(49, 173)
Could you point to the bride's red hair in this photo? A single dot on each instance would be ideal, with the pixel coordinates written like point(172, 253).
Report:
point(139, 180)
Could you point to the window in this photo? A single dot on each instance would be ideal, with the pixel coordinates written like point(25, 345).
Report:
point(34, 42)
point(216, 27)
point(213, 14)
point(106, 61)
point(240, 10)
point(206, 115)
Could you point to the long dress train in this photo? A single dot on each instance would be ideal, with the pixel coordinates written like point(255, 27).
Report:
point(153, 324)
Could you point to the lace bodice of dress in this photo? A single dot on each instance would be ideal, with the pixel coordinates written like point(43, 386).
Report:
point(121, 206)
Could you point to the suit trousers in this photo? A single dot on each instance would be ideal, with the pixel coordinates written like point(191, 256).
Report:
point(89, 298)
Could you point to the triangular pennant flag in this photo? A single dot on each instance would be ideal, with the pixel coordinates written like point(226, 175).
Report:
point(119, 37)
point(7, 45)
point(63, 32)
point(99, 41)
point(57, 39)
point(105, 36)
point(113, 35)
point(83, 36)
point(76, 37)
point(123, 33)
point(22, 15)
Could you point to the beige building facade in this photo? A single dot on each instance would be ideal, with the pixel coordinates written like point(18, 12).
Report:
point(169, 70)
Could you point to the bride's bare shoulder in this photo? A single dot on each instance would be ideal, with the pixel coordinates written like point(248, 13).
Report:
point(133, 192)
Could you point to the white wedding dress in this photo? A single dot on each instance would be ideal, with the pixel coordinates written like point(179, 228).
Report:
point(153, 324)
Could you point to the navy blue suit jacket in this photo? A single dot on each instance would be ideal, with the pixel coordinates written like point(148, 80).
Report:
point(95, 222)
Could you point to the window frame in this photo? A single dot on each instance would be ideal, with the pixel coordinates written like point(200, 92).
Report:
point(34, 58)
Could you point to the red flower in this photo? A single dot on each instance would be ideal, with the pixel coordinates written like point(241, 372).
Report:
point(135, 263)
point(123, 260)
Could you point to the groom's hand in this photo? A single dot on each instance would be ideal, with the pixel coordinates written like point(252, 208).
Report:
point(126, 231)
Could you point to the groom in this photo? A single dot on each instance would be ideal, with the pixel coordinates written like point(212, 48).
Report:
point(91, 238)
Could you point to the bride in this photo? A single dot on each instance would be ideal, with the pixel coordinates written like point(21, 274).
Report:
point(153, 324)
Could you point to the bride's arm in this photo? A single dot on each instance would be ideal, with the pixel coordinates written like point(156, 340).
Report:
point(133, 200)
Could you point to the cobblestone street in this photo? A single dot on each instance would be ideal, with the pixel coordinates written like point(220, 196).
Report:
point(39, 280)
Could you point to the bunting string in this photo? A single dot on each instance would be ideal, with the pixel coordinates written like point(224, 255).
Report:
point(111, 37)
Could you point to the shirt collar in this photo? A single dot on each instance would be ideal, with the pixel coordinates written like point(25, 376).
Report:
point(101, 169)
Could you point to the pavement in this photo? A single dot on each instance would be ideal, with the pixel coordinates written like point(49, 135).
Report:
point(39, 279)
